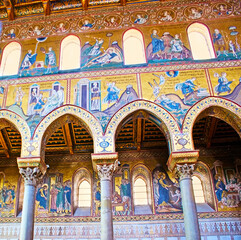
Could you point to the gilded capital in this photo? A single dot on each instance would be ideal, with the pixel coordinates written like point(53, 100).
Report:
point(185, 170)
point(105, 171)
point(30, 175)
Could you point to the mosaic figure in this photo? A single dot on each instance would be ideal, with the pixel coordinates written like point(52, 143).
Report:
point(50, 59)
point(194, 13)
point(140, 19)
point(166, 16)
point(112, 93)
point(41, 196)
point(19, 96)
point(157, 44)
point(28, 61)
point(11, 33)
point(218, 41)
point(167, 195)
point(86, 25)
point(223, 83)
point(67, 197)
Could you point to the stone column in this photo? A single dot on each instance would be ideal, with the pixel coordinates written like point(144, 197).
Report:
point(32, 171)
point(105, 173)
point(188, 202)
point(31, 177)
point(105, 165)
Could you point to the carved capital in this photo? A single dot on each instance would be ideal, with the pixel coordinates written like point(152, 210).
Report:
point(105, 171)
point(31, 176)
point(184, 170)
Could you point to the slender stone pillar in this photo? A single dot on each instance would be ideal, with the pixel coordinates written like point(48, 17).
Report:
point(31, 177)
point(105, 173)
point(188, 202)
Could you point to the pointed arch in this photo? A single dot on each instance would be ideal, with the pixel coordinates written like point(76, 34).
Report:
point(133, 47)
point(70, 53)
point(200, 42)
point(10, 59)
point(218, 107)
point(91, 123)
point(163, 118)
point(8, 118)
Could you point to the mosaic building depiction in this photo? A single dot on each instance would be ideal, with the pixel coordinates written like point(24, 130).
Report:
point(120, 120)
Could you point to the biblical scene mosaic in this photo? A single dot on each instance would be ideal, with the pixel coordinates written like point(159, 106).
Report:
point(165, 45)
point(53, 196)
point(121, 193)
point(176, 91)
point(8, 193)
point(34, 101)
point(227, 187)
point(227, 83)
point(105, 95)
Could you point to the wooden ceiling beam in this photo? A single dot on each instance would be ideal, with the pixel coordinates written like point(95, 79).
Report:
point(68, 138)
point(84, 4)
point(3, 143)
point(123, 2)
point(9, 7)
point(139, 133)
point(46, 5)
point(210, 130)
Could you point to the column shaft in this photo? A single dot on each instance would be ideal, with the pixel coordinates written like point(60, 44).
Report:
point(31, 176)
point(27, 224)
point(106, 210)
point(188, 202)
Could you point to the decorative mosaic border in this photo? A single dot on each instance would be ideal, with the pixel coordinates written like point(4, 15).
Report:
point(137, 70)
point(164, 216)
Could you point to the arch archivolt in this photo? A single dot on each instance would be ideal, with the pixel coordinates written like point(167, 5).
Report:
point(167, 122)
point(218, 107)
point(86, 117)
point(11, 119)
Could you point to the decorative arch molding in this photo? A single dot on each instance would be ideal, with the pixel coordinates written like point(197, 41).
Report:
point(221, 108)
point(86, 117)
point(11, 119)
point(166, 121)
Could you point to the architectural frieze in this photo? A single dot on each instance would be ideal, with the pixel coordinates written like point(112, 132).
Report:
point(139, 70)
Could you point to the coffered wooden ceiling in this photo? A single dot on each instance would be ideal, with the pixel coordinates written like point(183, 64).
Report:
point(11, 9)
point(135, 135)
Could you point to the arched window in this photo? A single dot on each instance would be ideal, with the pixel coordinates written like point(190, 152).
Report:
point(70, 53)
point(140, 192)
point(141, 182)
point(84, 195)
point(10, 59)
point(200, 42)
point(198, 190)
point(133, 46)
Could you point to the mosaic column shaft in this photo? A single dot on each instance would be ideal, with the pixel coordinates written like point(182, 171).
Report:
point(31, 177)
point(188, 202)
point(105, 173)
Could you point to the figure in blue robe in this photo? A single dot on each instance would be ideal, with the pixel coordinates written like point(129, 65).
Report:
point(223, 84)
point(157, 43)
point(186, 87)
point(113, 93)
point(219, 188)
point(163, 190)
point(28, 60)
point(67, 196)
point(50, 60)
point(41, 196)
